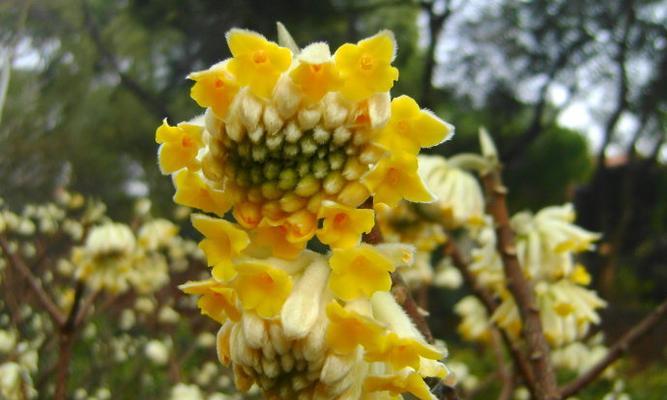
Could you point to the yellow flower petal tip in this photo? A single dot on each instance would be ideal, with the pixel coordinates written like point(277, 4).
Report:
point(342, 226)
point(217, 300)
point(359, 272)
point(411, 128)
point(301, 226)
point(192, 191)
point(403, 352)
point(396, 178)
point(316, 74)
point(365, 68)
point(348, 329)
point(275, 238)
point(406, 381)
point(179, 146)
point(223, 242)
point(214, 88)
point(262, 288)
point(256, 61)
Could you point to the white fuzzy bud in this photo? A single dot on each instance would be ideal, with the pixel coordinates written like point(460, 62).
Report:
point(300, 312)
point(334, 112)
point(341, 135)
point(286, 97)
point(256, 134)
point(272, 120)
point(308, 118)
point(292, 132)
point(251, 111)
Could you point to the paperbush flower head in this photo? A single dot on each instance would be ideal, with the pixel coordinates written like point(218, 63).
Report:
point(292, 143)
point(291, 137)
point(115, 258)
point(107, 257)
point(460, 201)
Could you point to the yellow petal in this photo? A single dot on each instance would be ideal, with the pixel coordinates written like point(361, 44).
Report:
point(382, 46)
point(179, 146)
point(403, 352)
point(301, 226)
point(256, 62)
point(316, 74)
point(406, 381)
point(343, 226)
point(359, 272)
point(365, 68)
point(396, 178)
point(248, 214)
point(433, 130)
point(348, 329)
point(193, 191)
point(217, 300)
point(223, 242)
point(410, 128)
point(262, 288)
point(275, 238)
point(214, 88)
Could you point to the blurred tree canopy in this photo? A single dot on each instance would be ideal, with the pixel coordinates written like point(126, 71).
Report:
point(91, 79)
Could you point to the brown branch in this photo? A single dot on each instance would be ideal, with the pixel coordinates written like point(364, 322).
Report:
point(66, 339)
point(521, 289)
point(490, 304)
point(86, 305)
point(35, 285)
point(504, 370)
point(616, 350)
point(65, 345)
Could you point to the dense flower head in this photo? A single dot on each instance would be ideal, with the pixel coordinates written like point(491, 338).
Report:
point(291, 137)
point(291, 144)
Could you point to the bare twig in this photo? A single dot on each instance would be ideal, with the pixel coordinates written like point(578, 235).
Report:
point(521, 289)
point(35, 285)
point(86, 305)
point(66, 338)
point(504, 370)
point(616, 350)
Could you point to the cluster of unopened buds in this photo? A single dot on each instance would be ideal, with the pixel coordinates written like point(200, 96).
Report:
point(292, 144)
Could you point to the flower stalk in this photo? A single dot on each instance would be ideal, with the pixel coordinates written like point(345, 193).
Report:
point(546, 387)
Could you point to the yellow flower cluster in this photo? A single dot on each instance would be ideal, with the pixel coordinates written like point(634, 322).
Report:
point(318, 327)
point(546, 246)
point(289, 139)
point(292, 142)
